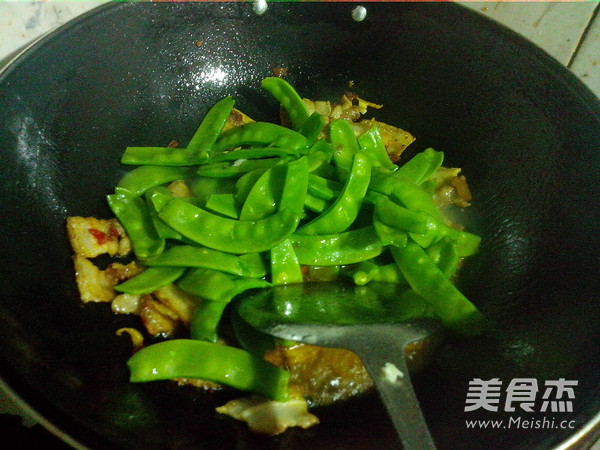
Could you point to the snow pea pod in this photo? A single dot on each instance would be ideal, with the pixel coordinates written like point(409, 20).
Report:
point(344, 210)
point(140, 179)
point(389, 235)
point(421, 166)
point(205, 320)
point(255, 153)
point(445, 256)
point(216, 289)
point(344, 143)
point(248, 265)
point(396, 216)
point(150, 280)
point(188, 358)
point(217, 286)
point(371, 143)
point(210, 128)
point(413, 197)
point(324, 188)
point(319, 156)
point(223, 204)
point(261, 134)
point(315, 204)
point(295, 187)
point(265, 195)
point(289, 99)
point(425, 278)
point(232, 170)
point(197, 151)
point(367, 271)
point(225, 234)
point(156, 198)
point(312, 127)
point(134, 215)
point(245, 183)
point(285, 268)
point(339, 249)
point(161, 156)
point(202, 187)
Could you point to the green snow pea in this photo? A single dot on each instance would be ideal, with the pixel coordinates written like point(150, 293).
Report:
point(134, 215)
point(425, 278)
point(216, 290)
point(255, 153)
point(413, 197)
point(337, 249)
point(421, 166)
point(295, 187)
point(188, 358)
point(344, 143)
point(265, 195)
point(367, 271)
point(210, 128)
point(445, 256)
point(401, 218)
point(319, 156)
point(465, 243)
point(344, 210)
point(202, 187)
point(372, 145)
point(225, 234)
point(235, 169)
point(285, 268)
point(199, 148)
point(261, 134)
point(217, 286)
point(223, 204)
point(150, 280)
point(289, 99)
point(205, 321)
point(316, 204)
point(161, 156)
point(323, 187)
point(156, 198)
point(140, 179)
point(312, 127)
point(248, 265)
point(389, 235)
point(245, 183)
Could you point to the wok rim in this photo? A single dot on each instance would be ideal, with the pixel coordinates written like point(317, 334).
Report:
point(586, 436)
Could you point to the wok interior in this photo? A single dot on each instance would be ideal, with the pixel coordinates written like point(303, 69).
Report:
point(525, 133)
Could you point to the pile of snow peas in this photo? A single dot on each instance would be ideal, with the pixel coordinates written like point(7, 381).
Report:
point(267, 204)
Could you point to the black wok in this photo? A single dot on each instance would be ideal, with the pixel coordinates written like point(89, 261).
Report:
point(525, 131)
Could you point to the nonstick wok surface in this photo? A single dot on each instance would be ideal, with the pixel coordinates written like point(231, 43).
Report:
point(524, 130)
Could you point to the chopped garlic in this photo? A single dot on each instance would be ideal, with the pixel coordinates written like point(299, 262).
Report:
point(391, 373)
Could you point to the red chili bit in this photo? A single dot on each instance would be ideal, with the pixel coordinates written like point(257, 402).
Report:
point(100, 236)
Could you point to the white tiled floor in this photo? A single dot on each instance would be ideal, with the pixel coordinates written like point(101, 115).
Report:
point(568, 31)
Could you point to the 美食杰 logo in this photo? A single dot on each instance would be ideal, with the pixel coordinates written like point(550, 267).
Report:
point(519, 396)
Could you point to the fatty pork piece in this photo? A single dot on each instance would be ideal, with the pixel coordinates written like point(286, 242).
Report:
point(96, 285)
point(269, 417)
point(91, 237)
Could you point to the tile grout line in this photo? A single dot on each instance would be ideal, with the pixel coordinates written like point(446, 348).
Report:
point(583, 36)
